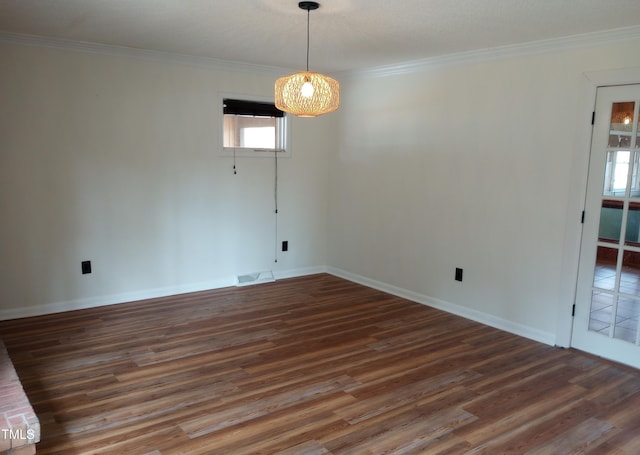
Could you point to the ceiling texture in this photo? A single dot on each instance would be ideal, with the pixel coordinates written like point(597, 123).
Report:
point(346, 35)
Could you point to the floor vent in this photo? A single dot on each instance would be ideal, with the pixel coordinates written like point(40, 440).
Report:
point(255, 278)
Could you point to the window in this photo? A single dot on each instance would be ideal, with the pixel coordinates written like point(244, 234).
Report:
point(253, 127)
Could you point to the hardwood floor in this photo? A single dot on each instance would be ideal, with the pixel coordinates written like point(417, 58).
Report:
point(312, 365)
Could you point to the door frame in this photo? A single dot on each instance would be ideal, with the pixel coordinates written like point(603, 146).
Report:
point(589, 84)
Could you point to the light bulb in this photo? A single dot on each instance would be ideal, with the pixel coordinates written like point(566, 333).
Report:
point(307, 90)
point(627, 120)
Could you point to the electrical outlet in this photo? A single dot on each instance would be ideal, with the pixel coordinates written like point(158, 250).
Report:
point(458, 274)
point(86, 267)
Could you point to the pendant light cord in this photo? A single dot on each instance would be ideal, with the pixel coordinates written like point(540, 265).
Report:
point(308, 15)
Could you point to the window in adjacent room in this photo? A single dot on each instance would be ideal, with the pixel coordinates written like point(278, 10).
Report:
point(253, 127)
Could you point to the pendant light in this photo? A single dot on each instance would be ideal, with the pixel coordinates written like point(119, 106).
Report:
point(307, 93)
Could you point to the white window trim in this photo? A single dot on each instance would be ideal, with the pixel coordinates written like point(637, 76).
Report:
point(254, 153)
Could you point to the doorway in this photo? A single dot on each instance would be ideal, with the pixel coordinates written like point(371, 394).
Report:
point(607, 311)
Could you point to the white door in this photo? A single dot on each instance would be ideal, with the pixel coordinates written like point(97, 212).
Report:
point(607, 310)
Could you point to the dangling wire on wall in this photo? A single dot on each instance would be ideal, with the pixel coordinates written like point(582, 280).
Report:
point(234, 161)
point(275, 200)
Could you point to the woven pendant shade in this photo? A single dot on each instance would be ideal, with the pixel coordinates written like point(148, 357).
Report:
point(307, 94)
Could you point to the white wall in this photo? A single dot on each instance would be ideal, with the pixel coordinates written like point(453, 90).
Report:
point(113, 159)
point(479, 165)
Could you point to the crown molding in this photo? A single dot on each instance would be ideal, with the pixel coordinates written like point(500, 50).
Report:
point(480, 55)
point(503, 52)
point(135, 53)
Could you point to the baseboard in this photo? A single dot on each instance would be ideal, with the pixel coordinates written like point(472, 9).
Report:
point(467, 313)
point(267, 276)
point(114, 299)
point(304, 271)
point(474, 315)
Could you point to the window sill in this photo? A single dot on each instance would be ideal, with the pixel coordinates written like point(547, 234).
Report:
point(255, 153)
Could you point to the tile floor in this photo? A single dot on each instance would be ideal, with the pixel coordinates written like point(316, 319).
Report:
point(604, 305)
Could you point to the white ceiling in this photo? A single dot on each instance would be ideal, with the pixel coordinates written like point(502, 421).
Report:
point(345, 34)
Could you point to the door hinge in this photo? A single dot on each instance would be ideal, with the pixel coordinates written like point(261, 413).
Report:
point(573, 310)
point(582, 217)
point(593, 118)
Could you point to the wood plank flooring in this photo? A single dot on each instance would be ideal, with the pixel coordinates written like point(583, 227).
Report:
point(312, 365)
